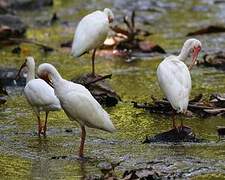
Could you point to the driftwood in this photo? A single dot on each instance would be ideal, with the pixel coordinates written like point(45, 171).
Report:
point(127, 39)
point(214, 107)
point(45, 47)
point(99, 88)
point(208, 30)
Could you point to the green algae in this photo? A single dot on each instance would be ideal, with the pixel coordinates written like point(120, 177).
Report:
point(12, 167)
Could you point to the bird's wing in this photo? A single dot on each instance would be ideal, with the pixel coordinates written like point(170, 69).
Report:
point(90, 33)
point(39, 93)
point(83, 108)
point(175, 81)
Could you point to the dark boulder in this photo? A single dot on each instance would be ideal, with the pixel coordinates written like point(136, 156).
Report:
point(180, 134)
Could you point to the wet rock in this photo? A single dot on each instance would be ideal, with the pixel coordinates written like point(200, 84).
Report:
point(214, 59)
point(54, 18)
point(26, 4)
point(3, 100)
point(180, 134)
point(11, 26)
point(221, 131)
point(142, 173)
point(48, 21)
point(8, 75)
point(16, 50)
point(99, 88)
point(58, 157)
point(3, 94)
point(208, 30)
point(107, 170)
point(67, 44)
point(68, 130)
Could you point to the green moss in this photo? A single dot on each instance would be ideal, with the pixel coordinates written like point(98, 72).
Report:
point(12, 167)
point(213, 176)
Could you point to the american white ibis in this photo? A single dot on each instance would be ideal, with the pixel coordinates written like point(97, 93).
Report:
point(91, 33)
point(77, 102)
point(39, 94)
point(174, 76)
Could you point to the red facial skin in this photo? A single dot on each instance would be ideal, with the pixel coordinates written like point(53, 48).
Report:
point(196, 51)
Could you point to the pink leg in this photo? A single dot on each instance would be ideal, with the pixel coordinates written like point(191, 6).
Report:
point(45, 125)
point(83, 135)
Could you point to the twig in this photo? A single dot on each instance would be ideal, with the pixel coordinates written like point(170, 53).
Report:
point(99, 79)
point(45, 47)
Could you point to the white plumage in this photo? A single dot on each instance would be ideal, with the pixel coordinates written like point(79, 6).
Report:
point(175, 81)
point(174, 76)
point(81, 106)
point(91, 32)
point(39, 94)
point(77, 102)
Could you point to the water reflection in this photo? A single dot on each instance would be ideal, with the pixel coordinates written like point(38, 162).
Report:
point(47, 165)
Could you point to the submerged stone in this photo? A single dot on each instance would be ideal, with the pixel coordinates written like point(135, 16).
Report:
point(142, 173)
point(179, 134)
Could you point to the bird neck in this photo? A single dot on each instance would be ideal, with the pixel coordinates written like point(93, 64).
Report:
point(30, 73)
point(184, 53)
point(55, 76)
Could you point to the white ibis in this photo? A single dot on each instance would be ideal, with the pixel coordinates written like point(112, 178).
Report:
point(174, 76)
point(91, 33)
point(77, 102)
point(39, 94)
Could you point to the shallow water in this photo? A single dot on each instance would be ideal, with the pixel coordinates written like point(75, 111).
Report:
point(24, 155)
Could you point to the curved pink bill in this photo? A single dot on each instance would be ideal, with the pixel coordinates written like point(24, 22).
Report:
point(110, 19)
point(194, 56)
point(18, 74)
point(46, 79)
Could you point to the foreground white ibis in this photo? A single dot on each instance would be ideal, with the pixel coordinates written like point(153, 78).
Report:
point(174, 76)
point(39, 94)
point(91, 33)
point(77, 102)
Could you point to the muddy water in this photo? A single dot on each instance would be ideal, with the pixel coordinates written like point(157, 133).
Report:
point(24, 155)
